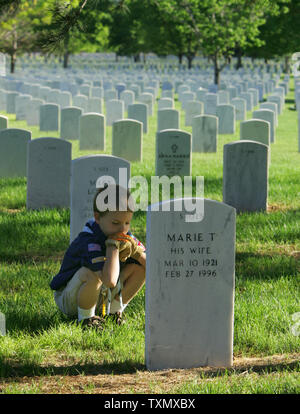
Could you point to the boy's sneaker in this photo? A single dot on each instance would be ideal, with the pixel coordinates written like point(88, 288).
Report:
point(117, 318)
point(95, 322)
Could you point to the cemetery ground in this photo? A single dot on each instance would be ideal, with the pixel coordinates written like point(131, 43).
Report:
point(45, 352)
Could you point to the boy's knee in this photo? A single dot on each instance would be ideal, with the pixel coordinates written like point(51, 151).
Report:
point(90, 277)
point(133, 269)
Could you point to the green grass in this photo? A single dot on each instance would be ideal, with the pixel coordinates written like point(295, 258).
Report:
point(41, 343)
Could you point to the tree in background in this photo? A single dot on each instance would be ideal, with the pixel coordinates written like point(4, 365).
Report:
point(16, 29)
point(280, 34)
point(219, 26)
point(72, 29)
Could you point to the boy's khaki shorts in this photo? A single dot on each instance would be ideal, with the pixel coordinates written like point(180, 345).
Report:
point(66, 297)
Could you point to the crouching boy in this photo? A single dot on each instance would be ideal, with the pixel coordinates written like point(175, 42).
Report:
point(104, 267)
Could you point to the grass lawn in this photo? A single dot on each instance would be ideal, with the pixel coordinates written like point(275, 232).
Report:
point(45, 352)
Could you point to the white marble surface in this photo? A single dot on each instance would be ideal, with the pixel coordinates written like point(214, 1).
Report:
point(139, 112)
point(226, 116)
point(245, 175)
point(92, 131)
point(190, 288)
point(204, 133)
point(269, 116)
point(49, 117)
point(255, 130)
point(127, 140)
point(13, 152)
point(167, 119)
point(48, 173)
point(173, 153)
point(85, 172)
point(114, 111)
point(69, 122)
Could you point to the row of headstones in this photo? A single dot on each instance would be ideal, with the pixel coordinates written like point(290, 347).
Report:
point(38, 84)
point(128, 97)
point(46, 161)
point(47, 115)
point(27, 107)
point(120, 92)
point(127, 134)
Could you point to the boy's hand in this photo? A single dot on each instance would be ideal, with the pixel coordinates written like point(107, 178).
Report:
point(127, 246)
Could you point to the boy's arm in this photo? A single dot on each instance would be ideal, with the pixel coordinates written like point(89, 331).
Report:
point(111, 269)
point(142, 259)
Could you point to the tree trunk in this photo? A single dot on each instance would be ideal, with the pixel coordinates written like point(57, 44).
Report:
point(13, 54)
point(13, 59)
point(66, 51)
point(190, 59)
point(180, 56)
point(137, 58)
point(286, 64)
point(239, 63)
point(217, 71)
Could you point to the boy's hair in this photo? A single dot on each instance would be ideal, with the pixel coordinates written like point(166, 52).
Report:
point(122, 197)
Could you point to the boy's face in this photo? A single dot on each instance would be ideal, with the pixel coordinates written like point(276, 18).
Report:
point(114, 222)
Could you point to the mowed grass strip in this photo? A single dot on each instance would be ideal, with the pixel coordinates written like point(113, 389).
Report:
point(41, 342)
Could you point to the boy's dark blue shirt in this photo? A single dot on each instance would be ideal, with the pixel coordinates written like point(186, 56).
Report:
point(88, 250)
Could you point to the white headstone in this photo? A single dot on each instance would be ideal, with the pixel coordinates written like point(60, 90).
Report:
point(92, 132)
point(147, 98)
point(95, 105)
point(48, 173)
point(114, 111)
point(273, 107)
point(240, 108)
point(167, 119)
point(186, 97)
point(173, 153)
point(245, 175)
point(22, 103)
point(11, 102)
point(165, 103)
point(127, 97)
point(192, 108)
point(190, 279)
point(226, 116)
point(49, 117)
point(69, 124)
point(33, 111)
point(249, 100)
point(81, 101)
point(210, 104)
point(269, 116)
point(85, 172)
point(139, 112)
point(204, 133)
point(127, 135)
point(13, 152)
point(255, 130)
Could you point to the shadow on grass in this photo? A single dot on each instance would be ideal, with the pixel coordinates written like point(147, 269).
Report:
point(290, 101)
point(250, 367)
point(255, 266)
point(13, 370)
